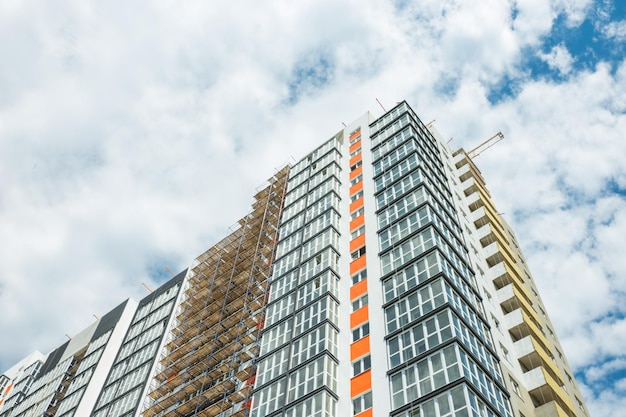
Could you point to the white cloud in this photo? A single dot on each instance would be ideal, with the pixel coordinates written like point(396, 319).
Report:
point(131, 135)
point(575, 10)
point(559, 58)
point(615, 30)
point(597, 373)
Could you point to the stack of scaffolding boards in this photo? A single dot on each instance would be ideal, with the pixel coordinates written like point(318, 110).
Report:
point(212, 354)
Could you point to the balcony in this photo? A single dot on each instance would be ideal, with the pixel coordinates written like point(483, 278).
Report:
point(514, 296)
point(474, 202)
point(543, 389)
point(520, 326)
point(494, 254)
point(531, 354)
point(551, 409)
point(469, 186)
point(497, 252)
point(464, 172)
point(479, 217)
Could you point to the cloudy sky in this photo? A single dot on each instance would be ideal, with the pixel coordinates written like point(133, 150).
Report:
point(132, 134)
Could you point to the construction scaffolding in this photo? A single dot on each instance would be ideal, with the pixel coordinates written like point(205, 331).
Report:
point(210, 363)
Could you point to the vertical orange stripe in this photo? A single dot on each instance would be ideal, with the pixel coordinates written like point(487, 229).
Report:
point(359, 317)
point(357, 221)
point(356, 187)
point(355, 134)
point(359, 348)
point(357, 242)
point(358, 289)
point(358, 203)
point(356, 172)
point(356, 158)
point(357, 264)
point(361, 383)
point(355, 146)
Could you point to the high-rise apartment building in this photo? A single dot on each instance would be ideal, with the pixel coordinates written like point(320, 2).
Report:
point(398, 290)
point(374, 277)
point(71, 377)
point(16, 381)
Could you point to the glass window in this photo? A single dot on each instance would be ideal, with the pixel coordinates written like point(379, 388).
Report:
point(325, 308)
point(322, 338)
point(362, 403)
point(354, 197)
point(270, 398)
point(359, 276)
point(357, 232)
point(361, 365)
point(326, 282)
point(358, 253)
point(419, 338)
point(359, 302)
point(322, 371)
point(424, 376)
point(360, 332)
point(329, 237)
point(320, 405)
point(356, 165)
point(356, 180)
point(276, 336)
point(273, 366)
point(280, 309)
point(408, 250)
point(356, 213)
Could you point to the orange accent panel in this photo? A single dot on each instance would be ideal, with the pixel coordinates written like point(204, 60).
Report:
point(357, 222)
point(356, 187)
point(357, 264)
point(360, 316)
point(360, 348)
point(357, 242)
point(358, 289)
point(358, 203)
point(8, 388)
point(361, 383)
point(356, 158)
point(366, 413)
point(356, 172)
point(355, 134)
point(355, 146)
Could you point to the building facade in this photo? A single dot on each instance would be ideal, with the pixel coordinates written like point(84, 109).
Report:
point(398, 290)
point(15, 383)
point(70, 379)
point(374, 277)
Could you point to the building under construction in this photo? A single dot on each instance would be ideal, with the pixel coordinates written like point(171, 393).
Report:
point(372, 278)
point(207, 365)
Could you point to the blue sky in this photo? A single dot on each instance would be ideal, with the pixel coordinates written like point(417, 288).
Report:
point(123, 128)
point(569, 47)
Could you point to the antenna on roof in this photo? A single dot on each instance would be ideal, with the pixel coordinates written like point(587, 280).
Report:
point(146, 287)
point(381, 106)
point(473, 153)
